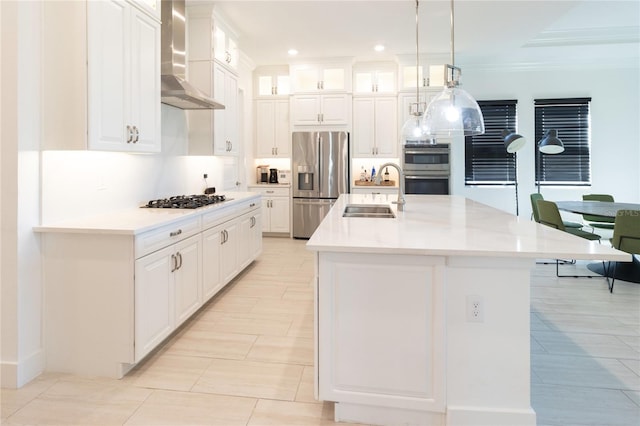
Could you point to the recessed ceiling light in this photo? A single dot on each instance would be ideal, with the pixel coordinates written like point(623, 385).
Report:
point(378, 47)
point(292, 52)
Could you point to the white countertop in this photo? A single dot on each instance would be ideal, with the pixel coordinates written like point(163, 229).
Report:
point(445, 225)
point(137, 220)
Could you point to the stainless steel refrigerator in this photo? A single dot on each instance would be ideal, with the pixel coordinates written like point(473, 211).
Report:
point(320, 169)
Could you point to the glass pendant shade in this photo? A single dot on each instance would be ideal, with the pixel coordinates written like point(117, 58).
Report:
point(453, 112)
point(512, 141)
point(413, 131)
point(550, 144)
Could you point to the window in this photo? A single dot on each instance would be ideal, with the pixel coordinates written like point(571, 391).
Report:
point(570, 117)
point(487, 162)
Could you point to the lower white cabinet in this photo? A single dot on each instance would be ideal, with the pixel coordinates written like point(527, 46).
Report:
point(276, 202)
point(167, 292)
point(112, 297)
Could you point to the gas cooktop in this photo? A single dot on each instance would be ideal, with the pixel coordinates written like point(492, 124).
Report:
point(186, 201)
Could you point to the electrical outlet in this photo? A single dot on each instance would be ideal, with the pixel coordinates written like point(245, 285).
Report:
point(475, 308)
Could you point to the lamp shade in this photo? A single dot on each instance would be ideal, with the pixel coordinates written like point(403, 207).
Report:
point(453, 111)
point(413, 131)
point(512, 141)
point(550, 144)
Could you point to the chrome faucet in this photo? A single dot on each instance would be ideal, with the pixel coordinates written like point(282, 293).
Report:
point(401, 202)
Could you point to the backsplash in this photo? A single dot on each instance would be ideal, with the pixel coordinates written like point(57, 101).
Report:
point(83, 183)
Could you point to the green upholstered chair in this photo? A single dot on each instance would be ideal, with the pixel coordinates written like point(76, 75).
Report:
point(549, 215)
point(534, 208)
point(626, 236)
point(595, 221)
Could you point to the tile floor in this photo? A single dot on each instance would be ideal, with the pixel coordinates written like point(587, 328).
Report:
point(246, 358)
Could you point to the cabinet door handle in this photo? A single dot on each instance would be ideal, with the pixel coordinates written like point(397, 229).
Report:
point(276, 150)
point(174, 261)
point(137, 134)
point(180, 259)
point(175, 233)
point(129, 134)
point(318, 86)
point(222, 237)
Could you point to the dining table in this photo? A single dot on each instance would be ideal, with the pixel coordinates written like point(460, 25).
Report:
point(625, 271)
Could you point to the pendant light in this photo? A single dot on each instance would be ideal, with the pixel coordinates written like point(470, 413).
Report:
point(454, 111)
point(413, 130)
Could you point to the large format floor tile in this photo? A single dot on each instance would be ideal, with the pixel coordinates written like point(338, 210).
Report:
point(246, 358)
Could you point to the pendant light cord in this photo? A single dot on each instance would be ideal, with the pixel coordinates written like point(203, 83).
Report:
point(453, 62)
point(417, 62)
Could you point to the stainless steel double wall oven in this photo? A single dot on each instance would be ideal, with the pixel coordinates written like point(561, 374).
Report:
point(426, 168)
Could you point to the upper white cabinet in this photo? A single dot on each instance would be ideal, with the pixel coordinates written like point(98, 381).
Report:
point(225, 121)
point(272, 128)
point(321, 78)
point(225, 47)
point(212, 69)
point(123, 45)
point(375, 131)
point(271, 81)
point(375, 78)
point(408, 78)
point(327, 110)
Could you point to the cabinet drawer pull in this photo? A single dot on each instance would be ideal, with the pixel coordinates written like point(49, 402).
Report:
point(252, 205)
point(175, 233)
point(270, 192)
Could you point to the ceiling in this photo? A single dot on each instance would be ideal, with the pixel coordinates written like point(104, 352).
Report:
point(489, 33)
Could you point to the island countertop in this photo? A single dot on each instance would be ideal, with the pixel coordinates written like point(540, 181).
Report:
point(448, 225)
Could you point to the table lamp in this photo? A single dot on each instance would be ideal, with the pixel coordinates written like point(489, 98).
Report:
point(513, 142)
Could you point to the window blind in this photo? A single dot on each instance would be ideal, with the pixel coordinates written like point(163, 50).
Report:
point(487, 162)
point(571, 118)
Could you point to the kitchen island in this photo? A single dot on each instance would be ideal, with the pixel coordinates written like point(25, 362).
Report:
point(423, 318)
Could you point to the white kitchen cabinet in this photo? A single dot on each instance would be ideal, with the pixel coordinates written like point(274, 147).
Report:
point(116, 293)
point(214, 132)
point(225, 121)
point(123, 50)
point(272, 128)
point(375, 132)
point(271, 81)
point(407, 77)
point(399, 362)
point(250, 244)
point(375, 78)
point(167, 292)
point(225, 46)
point(321, 78)
point(320, 110)
point(276, 208)
point(154, 299)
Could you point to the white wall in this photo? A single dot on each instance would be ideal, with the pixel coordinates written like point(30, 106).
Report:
point(22, 343)
point(615, 125)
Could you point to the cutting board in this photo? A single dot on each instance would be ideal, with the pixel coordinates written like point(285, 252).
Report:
point(383, 183)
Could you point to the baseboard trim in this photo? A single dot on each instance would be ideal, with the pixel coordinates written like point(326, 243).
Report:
point(14, 375)
point(493, 416)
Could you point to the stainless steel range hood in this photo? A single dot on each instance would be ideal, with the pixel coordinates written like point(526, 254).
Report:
point(176, 90)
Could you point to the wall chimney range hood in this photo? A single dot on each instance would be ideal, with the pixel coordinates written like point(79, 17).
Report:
point(176, 90)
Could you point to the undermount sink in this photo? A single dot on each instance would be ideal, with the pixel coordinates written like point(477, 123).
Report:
point(364, 210)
